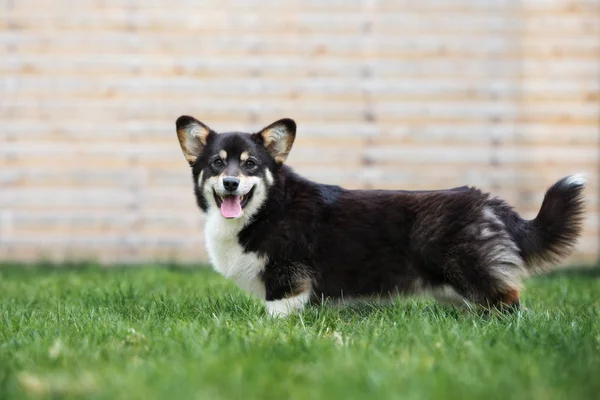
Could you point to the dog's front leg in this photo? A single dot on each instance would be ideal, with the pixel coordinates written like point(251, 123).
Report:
point(282, 300)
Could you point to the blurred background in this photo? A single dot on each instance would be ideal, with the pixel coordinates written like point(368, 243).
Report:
point(501, 94)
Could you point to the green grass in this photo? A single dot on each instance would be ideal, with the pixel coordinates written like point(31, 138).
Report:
point(142, 333)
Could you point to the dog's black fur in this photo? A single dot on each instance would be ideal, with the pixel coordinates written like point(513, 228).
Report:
point(356, 243)
point(362, 243)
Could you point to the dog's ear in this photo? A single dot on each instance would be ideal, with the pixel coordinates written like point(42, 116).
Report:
point(278, 138)
point(192, 135)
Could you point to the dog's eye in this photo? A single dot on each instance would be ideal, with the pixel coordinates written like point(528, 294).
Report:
point(217, 163)
point(250, 164)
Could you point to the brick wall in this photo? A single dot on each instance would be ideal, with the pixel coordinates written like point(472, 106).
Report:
point(389, 94)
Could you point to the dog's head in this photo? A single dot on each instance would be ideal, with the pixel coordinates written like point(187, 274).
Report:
point(233, 171)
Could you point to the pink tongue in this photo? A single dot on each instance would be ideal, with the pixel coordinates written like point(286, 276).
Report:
point(231, 206)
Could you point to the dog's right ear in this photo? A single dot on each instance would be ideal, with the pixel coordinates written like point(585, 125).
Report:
point(192, 135)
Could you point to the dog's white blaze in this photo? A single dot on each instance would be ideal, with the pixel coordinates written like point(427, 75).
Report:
point(284, 307)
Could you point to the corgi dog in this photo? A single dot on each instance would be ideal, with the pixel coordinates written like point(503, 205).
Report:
point(291, 241)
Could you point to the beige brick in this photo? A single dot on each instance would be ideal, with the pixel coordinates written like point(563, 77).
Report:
point(388, 94)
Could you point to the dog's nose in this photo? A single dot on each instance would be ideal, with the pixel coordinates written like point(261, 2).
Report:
point(230, 184)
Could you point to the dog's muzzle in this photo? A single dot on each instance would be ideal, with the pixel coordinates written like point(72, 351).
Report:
point(229, 200)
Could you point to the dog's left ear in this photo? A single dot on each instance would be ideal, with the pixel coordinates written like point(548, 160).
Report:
point(278, 138)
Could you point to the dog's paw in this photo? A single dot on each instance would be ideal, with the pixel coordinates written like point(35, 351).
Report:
point(286, 306)
point(280, 308)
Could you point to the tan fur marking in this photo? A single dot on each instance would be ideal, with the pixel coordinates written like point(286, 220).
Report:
point(511, 296)
point(244, 156)
point(223, 154)
point(300, 288)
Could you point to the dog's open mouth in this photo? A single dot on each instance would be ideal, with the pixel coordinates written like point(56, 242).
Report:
point(232, 205)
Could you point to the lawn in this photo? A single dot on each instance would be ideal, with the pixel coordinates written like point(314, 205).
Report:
point(176, 333)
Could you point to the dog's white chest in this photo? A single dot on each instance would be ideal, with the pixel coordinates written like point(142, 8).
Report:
point(228, 257)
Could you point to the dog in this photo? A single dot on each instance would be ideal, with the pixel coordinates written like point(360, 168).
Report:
point(291, 241)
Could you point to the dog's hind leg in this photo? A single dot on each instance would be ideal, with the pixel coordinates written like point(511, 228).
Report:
point(485, 265)
point(447, 295)
point(485, 289)
point(509, 301)
point(490, 277)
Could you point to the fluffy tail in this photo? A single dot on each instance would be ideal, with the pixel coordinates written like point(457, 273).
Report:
point(548, 238)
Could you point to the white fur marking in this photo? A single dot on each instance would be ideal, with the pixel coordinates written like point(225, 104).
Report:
point(223, 154)
point(503, 254)
point(226, 254)
point(269, 177)
point(228, 257)
point(284, 307)
point(490, 214)
point(576, 180)
point(244, 156)
point(507, 266)
point(447, 294)
point(486, 233)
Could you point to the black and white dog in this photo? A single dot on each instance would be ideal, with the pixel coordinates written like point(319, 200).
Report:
point(290, 241)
